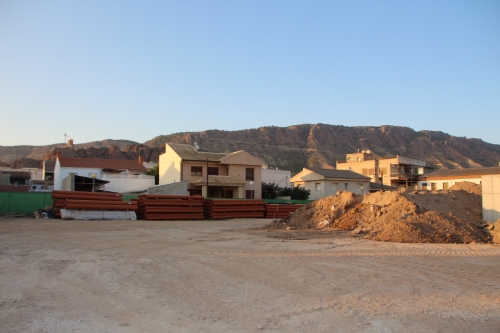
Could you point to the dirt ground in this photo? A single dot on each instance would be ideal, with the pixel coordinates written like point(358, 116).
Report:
point(236, 276)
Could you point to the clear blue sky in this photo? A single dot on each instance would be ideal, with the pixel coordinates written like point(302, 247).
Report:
point(137, 69)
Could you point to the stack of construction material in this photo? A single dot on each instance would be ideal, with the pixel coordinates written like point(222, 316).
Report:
point(71, 203)
point(170, 207)
point(279, 211)
point(230, 209)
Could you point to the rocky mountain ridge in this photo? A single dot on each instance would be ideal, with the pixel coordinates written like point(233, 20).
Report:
point(295, 147)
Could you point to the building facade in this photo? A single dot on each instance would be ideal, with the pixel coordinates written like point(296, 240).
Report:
point(444, 179)
point(217, 175)
point(395, 171)
point(119, 175)
point(325, 182)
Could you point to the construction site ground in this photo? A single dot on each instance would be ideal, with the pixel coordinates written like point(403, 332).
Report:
point(236, 276)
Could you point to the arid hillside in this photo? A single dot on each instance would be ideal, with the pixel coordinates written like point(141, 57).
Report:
point(294, 147)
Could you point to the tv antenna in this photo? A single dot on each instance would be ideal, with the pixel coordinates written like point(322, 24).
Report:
point(66, 137)
point(196, 145)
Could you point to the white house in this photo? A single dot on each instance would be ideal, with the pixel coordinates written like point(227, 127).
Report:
point(444, 179)
point(121, 175)
point(325, 182)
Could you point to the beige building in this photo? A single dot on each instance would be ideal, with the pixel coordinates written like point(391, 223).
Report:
point(325, 182)
point(444, 179)
point(233, 175)
point(491, 198)
point(395, 171)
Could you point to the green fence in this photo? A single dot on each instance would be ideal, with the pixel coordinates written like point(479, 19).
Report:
point(23, 203)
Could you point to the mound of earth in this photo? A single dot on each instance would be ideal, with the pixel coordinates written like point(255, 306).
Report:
point(408, 217)
point(468, 187)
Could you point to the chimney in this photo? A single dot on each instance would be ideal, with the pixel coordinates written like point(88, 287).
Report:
point(58, 155)
point(141, 160)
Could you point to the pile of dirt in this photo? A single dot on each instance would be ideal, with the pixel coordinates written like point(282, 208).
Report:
point(468, 187)
point(407, 217)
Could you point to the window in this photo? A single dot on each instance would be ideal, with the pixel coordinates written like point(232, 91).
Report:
point(249, 174)
point(317, 186)
point(250, 194)
point(359, 159)
point(194, 192)
point(424, 186)
point(346, 185)
point(196, 171)
point(350, 168)
point(364, 172)
point(433, 186)
point(213, 171)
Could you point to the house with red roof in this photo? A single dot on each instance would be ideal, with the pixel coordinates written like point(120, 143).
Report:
point(101, 174)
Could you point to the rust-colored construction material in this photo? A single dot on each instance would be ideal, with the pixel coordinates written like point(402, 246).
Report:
point(90, 201)
point(279, 211)
point(85, 196)
point(227, 209)
point(170, 207)
point(94, 194)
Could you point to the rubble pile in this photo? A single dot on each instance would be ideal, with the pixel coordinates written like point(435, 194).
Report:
point(408, 217)
point(468, 187)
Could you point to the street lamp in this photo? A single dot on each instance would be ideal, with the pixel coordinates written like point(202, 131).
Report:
point(94, 176)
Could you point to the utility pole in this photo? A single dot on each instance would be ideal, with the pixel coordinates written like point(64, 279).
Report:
point(207, 178)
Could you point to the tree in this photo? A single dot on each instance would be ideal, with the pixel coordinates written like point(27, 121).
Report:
point(296, 193)
point(154, 171)
point(270, 190)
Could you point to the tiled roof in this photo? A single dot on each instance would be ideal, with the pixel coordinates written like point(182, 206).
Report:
point(130, 165)
point(331, 173)
point(463, 172)
point(188, 153)
point(18, 174)
point(219, 180)
point(13, 188)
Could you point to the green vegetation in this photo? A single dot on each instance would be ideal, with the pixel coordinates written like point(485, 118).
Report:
point(154, 171)
point(272, 190)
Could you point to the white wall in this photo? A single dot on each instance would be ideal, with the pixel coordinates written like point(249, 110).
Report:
point(279, 177)
point(330, 187)
point(125, 183)
point(491, 198)
point(61, 173)
point(451, 182)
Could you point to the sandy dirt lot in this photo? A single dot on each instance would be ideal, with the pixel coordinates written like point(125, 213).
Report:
point(224, 276)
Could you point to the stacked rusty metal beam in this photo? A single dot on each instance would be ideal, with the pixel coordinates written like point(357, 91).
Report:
point(230, 209)
point(170, 207)
point(279, 211)
point(90, 201)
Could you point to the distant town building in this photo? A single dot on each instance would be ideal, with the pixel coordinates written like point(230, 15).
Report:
point(395, 171)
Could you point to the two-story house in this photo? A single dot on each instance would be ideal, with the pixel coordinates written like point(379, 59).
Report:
point(216, 175)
